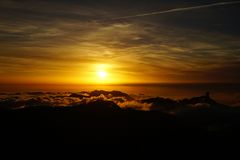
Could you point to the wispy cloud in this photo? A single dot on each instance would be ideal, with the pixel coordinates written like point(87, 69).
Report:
point(178, 10)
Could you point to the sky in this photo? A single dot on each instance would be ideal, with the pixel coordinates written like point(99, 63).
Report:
point(115, 42)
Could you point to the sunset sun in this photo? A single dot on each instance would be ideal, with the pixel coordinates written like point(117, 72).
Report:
point(102, 74)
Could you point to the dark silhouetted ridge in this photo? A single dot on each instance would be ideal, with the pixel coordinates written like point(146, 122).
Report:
point(96, 119)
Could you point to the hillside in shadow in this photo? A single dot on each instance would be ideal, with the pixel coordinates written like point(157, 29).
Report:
point(102, 121)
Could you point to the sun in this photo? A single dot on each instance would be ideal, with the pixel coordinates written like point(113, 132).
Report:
point(102, 74)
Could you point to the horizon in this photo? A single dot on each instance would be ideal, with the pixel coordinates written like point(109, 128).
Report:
point(225, 93)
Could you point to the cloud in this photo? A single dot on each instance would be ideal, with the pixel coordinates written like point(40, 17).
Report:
point(135, 105)
point(179, 10)
point(23, 100)
point(31, 99)
point(100, 97)
point(200, 105)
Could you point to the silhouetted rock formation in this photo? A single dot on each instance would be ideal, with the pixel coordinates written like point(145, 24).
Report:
point(100, 106)
point(162, 104)
point(81, 96)
point(205, 99)
point(10, 103)
point(36, 93)
point(166, 104)
point(110, 94)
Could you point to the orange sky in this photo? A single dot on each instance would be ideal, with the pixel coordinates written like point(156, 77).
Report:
point(70, 43)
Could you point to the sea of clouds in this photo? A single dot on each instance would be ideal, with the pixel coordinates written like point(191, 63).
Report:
point(122, 100)
point(65, 99)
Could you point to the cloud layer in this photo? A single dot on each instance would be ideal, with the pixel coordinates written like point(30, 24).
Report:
point(104, 100)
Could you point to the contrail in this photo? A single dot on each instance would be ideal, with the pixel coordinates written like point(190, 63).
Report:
point(178, 10)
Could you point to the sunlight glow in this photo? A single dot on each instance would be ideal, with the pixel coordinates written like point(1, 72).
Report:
point(102, 74)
